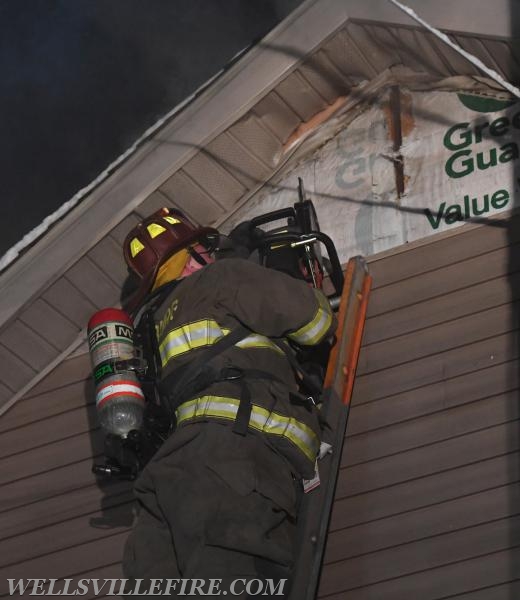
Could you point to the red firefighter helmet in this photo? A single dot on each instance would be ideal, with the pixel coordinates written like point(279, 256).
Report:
point(155, 239)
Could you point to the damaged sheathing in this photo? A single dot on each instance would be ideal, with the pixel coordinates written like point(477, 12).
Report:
point(417, 159)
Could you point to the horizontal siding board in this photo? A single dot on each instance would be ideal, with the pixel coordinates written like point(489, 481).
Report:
point(431, 584)
point(54, 510)
point(469, 242)
point(504, 591)
point(454, 482)
point(67, 562)
point(461, 513)
point(71, 370)
point(70, 302)
point(39, 433)
point(424, 554)
point(442, 425)
point(14, 373)
point(438, 338)
point(436, 368)
point(58, 481)
point(450, 278)
point(56, 329)
point(454, 305)
point(429, 399)
point(40, 460)
point(5, 394)
point(436, 457)
point(66, 534)
point(27, 345)
point(47, 404)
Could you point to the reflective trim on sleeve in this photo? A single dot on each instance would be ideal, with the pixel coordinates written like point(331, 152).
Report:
point(314, 331)
point(262, 420)
point(189, 337)
point(258, 341)
point(202, 333)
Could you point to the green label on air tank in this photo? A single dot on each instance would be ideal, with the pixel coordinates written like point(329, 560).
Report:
point(103, 371)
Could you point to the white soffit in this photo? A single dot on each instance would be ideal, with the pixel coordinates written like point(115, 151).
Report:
point(230, 97)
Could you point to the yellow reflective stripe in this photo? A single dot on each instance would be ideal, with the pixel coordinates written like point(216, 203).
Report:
point(271, 423)
point(205, 333)
point(171, 220)
point(215, 406)
point(135, 247)
point(313, 332)
point(154, 229)
point(258, 341)
point(188, 337)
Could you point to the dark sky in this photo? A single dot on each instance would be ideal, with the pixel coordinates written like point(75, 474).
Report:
point(82, 79)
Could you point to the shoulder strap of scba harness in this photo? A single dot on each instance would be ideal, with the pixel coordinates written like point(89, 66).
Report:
point(186, 381)
point(144, 327)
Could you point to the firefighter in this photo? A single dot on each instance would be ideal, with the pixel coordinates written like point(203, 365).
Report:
point(219, 499)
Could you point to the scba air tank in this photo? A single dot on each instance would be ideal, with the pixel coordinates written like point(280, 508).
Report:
point(119, 397)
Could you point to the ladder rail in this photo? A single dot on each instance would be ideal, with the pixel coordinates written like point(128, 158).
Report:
point(316, 507)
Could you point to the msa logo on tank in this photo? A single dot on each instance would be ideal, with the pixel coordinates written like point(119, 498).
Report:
point(103, 332)
point(478, 145)
point(108, 340)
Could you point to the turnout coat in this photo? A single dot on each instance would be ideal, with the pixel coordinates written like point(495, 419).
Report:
point(212, 303)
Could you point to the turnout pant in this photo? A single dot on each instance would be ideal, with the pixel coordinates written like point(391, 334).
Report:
point(214, 505)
